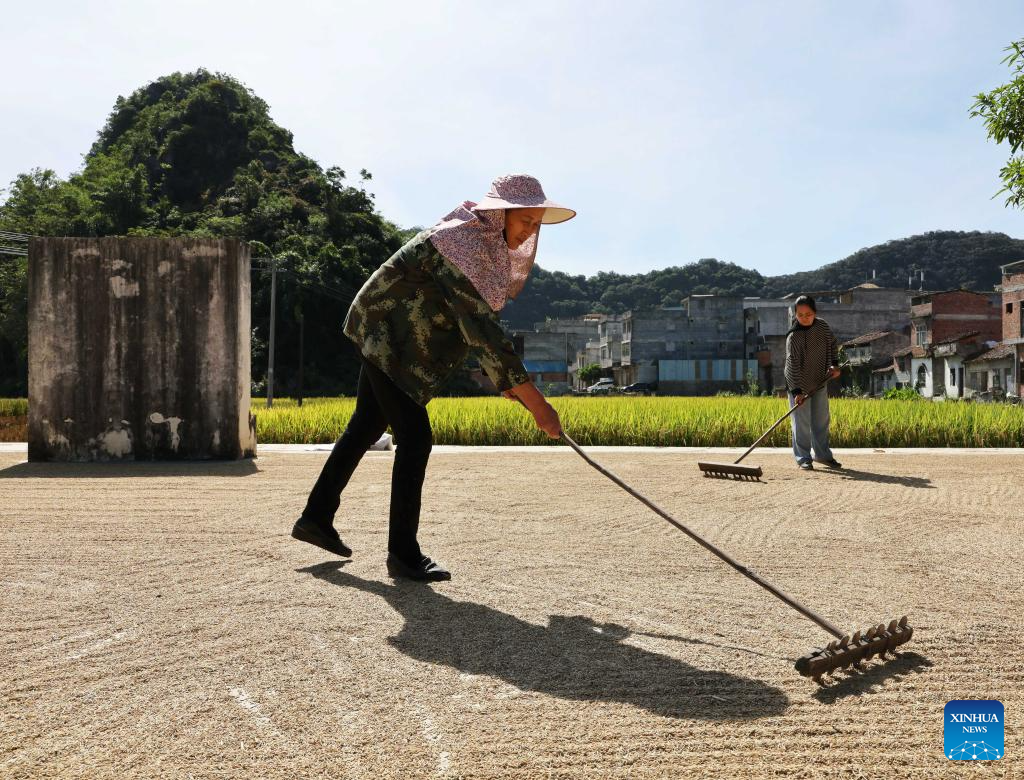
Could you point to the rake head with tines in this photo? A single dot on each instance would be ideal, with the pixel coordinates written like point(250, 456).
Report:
point(852, 651)
point(730, 471)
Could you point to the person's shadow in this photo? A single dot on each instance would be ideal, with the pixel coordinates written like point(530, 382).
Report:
point(572, 657)
point(884, 479)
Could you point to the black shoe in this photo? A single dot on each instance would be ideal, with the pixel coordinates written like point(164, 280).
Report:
point(806, 465)
point(425, 571)
point(832, 464)
point(322, 535)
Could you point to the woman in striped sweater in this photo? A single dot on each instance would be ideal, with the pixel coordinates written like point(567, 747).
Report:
point(812, 358)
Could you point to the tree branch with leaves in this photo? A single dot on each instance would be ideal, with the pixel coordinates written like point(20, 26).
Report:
point(1002, 110)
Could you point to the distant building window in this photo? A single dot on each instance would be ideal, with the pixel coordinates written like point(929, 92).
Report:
point(1009, 308)
point(921, 333)
point(952, 376)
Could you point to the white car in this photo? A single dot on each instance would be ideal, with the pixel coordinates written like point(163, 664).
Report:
point(603, 385)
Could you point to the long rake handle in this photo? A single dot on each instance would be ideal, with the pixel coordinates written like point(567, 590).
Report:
point(808, 613)
point(778, 422)
point(764, 435)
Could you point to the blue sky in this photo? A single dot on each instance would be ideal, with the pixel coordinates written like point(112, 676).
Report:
point(776, 135)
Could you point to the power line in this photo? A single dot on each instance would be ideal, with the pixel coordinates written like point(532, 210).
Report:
point(15, 244)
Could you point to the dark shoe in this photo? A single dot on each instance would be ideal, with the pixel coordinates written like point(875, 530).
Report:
point(425, 571)
point(322, 535)
point(806, 465)
point(832, 464)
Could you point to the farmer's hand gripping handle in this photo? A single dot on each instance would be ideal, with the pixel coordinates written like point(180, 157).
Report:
point(535, 403)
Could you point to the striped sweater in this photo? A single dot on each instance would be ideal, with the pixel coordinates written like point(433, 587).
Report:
point(810, 352)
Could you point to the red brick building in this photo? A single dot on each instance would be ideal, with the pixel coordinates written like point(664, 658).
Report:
point(1012, 290)
point(943, 316)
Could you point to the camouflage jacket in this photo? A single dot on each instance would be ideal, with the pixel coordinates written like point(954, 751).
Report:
point(417, 316)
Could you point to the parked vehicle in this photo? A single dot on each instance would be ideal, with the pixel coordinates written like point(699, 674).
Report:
point(602, 386)
point(640, 388)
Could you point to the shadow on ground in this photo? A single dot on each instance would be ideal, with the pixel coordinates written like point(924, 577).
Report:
point(572, 657)
point(884, 479)
point(851, 682)
point(120, 469)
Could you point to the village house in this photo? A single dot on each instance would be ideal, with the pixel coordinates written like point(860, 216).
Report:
point(991, 371)
point(870, 358)
point(897, 373)
point(950, 357)
point(939, 316)
point(1012, 290)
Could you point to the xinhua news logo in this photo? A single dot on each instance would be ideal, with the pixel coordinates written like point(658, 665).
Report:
point(973, 730)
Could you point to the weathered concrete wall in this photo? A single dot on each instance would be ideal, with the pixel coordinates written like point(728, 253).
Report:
point(139, 349)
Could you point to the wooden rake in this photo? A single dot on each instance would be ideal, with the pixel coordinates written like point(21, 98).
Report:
point(844, 651)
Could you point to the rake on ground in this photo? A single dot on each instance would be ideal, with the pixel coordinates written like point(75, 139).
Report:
point(845, 651)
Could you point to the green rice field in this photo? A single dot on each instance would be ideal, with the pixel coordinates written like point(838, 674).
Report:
point(668, 421)
point(653, 421)
point(13, 407)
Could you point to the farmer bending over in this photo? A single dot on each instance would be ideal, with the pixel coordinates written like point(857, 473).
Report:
point(412, 323)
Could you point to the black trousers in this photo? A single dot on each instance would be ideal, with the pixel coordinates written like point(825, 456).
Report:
point(379, 403)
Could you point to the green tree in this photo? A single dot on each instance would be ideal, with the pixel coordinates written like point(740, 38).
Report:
point(1002, 110)
point(589, 373)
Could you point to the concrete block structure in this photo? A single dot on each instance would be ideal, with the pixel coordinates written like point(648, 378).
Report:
point(705, 327)
point(549, 351)
point(139, 349)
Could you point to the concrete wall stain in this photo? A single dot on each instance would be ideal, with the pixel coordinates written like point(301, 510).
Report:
point(139, 349)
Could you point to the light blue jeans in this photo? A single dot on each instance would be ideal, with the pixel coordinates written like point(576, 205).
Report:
point(810, 427)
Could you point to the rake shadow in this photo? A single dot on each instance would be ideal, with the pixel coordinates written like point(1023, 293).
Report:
point(138, 468)
point(572, 657)
point(857, 683)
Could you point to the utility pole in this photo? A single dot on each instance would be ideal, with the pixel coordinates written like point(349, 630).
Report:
point(273, 319)
point(302, 342)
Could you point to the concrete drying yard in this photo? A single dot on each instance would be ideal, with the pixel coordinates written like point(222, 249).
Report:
point(156, 620)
